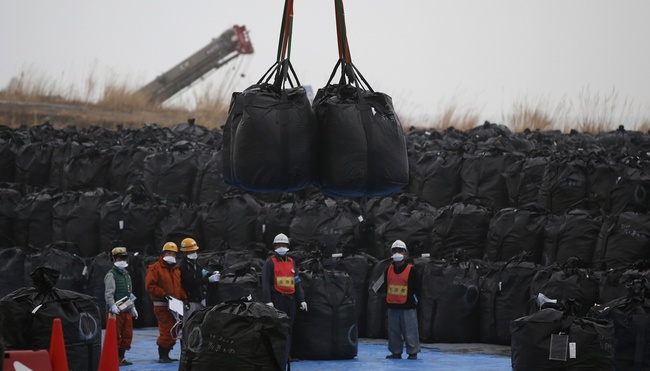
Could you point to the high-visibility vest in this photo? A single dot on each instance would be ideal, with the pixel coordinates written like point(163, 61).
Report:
point(398, 285)
point(284, 276)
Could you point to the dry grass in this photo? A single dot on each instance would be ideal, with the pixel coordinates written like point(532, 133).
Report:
point(539, 114)
point(596, 112)
point(111, 104)
point(114, 103)
point(450, 116)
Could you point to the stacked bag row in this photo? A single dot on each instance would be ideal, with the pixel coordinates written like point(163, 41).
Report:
point(555, 171)
point(462, 300)
point(89, 221)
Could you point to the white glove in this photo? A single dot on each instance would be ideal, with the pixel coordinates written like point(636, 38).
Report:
point(270, 304)
point(134, 313)
point(303, 306)
point(115, 309)
point(214, 278)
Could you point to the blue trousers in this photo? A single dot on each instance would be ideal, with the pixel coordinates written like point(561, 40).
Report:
point(403, 328)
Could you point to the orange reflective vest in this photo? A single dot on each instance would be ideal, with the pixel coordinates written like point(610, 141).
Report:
point(398, 285)
point(284, 276)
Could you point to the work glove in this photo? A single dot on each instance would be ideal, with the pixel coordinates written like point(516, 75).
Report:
point(270, 304)
point(134, 313)
point(303, 306)
point(204, 273)
point(115, 309)
point(215, 277)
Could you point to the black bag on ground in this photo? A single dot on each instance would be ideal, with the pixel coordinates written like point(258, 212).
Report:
point(449, 303)
point(377, 320)
point(236, 335)
point(588, 345)
point(630, 315)
point(504, 294)
point(328, 330)
point(26, 317)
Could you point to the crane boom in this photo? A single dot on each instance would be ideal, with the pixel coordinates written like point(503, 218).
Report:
point(232, 43)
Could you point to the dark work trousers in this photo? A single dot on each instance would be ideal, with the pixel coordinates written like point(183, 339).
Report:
point(287, 304)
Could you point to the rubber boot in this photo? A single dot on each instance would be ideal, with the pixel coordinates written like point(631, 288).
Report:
point(163, 356)
point(121, 359)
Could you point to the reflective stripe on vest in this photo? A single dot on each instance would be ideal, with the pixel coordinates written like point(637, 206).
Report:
point(398, 285)
point(284, 276)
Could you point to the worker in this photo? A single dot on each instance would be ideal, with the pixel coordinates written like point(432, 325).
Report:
point(194, 278)
point(402, 288)
point(162, 281)
point(118, 288)
point(281, 286)
point(280, 282)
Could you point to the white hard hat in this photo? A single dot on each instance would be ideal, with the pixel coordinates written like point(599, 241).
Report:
point(399, 244)
point(281, 238)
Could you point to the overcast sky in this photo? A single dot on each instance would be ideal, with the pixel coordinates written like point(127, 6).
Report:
point(480, 55)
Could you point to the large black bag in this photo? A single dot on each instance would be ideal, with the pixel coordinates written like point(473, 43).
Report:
point(362, 144)
point(532, 342)
point(26, 317)
point(328, 330)
point(630, 315)
point(269, 138)
point(236, 335)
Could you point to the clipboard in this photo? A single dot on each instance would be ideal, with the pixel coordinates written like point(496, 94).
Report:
point(176, 305)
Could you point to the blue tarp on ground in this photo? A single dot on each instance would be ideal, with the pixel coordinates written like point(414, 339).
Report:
point(371, 356)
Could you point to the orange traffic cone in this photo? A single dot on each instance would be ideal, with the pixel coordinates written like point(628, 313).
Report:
point(58, 356)
point(108, 360)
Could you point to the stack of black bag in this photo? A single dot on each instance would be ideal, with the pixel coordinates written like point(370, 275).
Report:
point(486, 192)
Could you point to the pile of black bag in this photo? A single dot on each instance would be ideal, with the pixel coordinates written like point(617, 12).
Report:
point(492, 218)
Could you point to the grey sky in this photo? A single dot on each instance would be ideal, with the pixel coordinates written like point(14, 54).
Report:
point(479, 55)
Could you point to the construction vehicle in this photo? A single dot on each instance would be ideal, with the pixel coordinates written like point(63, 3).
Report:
point(231, 44)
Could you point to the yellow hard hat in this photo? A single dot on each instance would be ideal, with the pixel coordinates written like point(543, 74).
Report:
point(189, 245)
point(170, 246)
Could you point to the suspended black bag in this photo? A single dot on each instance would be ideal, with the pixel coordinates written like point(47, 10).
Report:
point(362, 144)
point(269, 142)
point(236, 335)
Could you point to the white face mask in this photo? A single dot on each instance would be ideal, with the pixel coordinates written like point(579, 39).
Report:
point(121, 264)
point(282, 250)
point(192, 256)
point(170, 259)
point(398, 257)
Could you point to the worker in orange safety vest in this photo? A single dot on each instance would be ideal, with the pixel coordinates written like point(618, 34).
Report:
point(402, 288)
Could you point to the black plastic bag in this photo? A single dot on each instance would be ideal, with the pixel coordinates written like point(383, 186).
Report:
point(27, 314)
point(362, 145)
point(236, 335)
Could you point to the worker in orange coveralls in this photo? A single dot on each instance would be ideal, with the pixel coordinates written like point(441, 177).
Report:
point(163, 280)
